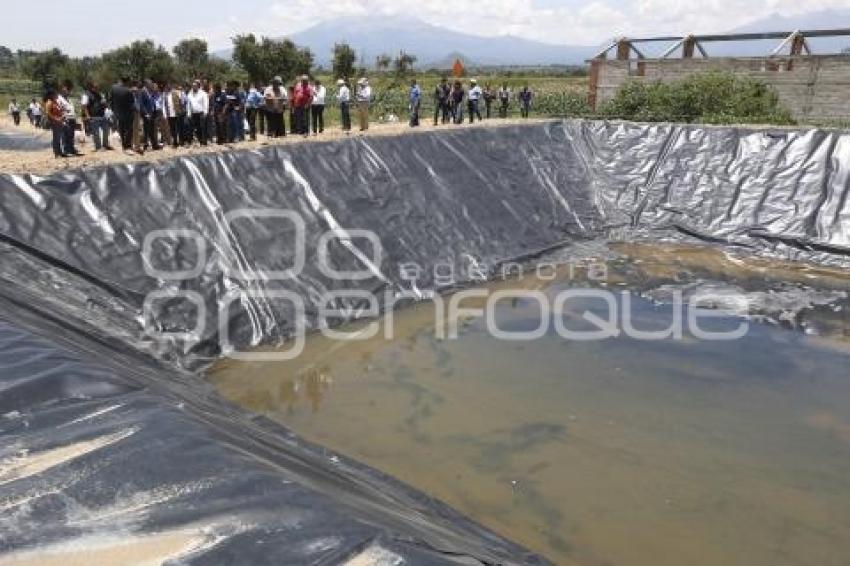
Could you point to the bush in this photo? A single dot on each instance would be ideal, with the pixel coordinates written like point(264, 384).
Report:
point(565, 103)
point(713, 98)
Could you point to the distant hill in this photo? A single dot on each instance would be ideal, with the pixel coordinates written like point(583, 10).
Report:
point(431, 45)
point(436, 47)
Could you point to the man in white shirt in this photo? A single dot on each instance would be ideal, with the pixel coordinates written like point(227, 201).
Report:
point(473, 100)
point(64, 101)
point(35, 113)
point(197, 103)
point(15, 112)
point(172, 110)
point(317, 110)
point(343, 97)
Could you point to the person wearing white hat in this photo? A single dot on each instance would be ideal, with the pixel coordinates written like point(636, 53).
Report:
point(343, 98)
point(364, 97)
point(472, 100)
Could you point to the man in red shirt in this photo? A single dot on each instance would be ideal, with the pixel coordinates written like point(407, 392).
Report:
point(302, 98)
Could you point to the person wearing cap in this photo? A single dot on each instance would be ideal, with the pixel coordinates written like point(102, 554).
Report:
point(275, 97)
point(415, 100)
point(343, 98)
point(317, 111)
point(472, 100)
point(302, 97)
point(364, 97)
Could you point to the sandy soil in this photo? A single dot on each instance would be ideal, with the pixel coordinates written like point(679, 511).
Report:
point(118, 550)
point(27, 464)
point(43, 162)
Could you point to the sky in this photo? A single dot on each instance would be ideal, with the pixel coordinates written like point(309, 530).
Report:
point(85, 27)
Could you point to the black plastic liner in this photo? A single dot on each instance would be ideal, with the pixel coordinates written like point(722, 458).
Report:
point(454, 199)
point(24, 139)
point(466, 200)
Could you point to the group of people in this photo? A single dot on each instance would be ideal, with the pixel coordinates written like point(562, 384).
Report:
point(34, 112)
point(148, 115)
point(449, 101)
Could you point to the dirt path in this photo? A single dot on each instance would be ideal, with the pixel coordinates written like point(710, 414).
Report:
point(42, 162)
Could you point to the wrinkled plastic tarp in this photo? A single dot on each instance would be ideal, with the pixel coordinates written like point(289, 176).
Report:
point(460, 199)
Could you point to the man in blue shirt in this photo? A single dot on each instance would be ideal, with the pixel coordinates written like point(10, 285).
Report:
point(253, 103)
point(415, 98)
point(147, 108)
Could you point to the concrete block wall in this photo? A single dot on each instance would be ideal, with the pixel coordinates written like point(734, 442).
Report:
point(813, 87)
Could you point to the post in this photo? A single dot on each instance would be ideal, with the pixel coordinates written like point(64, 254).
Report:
point(593, 82)
point(624, 49)
point(798, 42)
point(688, 47)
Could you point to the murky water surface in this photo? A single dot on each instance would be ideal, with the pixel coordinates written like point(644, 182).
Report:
point(615, 451)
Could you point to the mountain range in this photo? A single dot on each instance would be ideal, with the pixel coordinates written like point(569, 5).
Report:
point(436, 47)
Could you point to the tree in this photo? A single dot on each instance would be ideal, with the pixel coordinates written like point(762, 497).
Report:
point(45, 66)
point(80, 70)
point(403, 63)
point(7, 58)
point(270, 57)
point(343, 61)
point(382, 62)
point(192, 58)
point(139, 60)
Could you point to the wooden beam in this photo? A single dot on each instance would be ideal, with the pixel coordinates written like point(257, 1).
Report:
point(672, 48)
